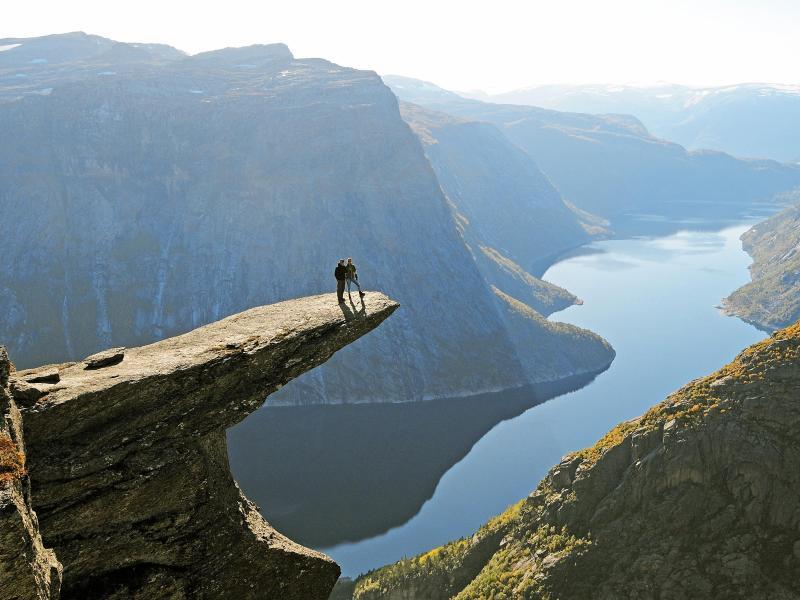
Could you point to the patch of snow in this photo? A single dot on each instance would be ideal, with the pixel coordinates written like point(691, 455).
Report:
point(38, 61)
point(196, 92)
point(21, 75)
point(246, 66)
point(104, 73)
point(9, 47)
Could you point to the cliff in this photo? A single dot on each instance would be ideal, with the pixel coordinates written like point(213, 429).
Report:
point(772, 299)
point(28, 570)
point(511, 217)
point(513, 222)
point(171, 182)
point(698, 498)
point(127, 461)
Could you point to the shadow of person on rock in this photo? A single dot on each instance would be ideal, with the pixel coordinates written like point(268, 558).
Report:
point(353, 312)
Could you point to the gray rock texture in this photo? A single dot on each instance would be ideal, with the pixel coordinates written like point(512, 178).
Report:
point(28, 570)
point(128, 461)
point(698, 498)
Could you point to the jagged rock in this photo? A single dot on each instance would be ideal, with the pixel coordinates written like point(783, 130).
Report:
point(698, 498)
point(129, 462)
point(28, 570)
point(106, 358)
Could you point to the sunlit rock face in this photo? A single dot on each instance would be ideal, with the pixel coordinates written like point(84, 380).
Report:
point(128, 462)
point(27, 568)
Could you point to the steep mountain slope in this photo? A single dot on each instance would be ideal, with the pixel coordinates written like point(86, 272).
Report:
point(508, 213)
point(173, 192)
point(698, 498)
point(751, 119)
point(512, 218)
point(610, 165)
point(772, 299)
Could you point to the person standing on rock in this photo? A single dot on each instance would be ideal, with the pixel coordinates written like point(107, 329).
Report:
point(352, 277)
point(341, 274)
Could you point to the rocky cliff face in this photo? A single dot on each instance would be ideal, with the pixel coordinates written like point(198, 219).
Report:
point(610, 165)
point(772, 299)
point(698, 498)
point(513, 220)
point(128, 463)
point(28, 570)
point(170, 185)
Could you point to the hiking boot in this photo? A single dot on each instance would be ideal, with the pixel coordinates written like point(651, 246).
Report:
point(362, 294)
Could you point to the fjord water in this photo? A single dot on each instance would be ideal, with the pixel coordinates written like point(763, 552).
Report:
point(654, 299)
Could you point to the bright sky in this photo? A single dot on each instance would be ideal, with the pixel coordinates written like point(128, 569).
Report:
point(494, 45)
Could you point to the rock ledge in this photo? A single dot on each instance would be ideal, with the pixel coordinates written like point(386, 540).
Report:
point(128, 462)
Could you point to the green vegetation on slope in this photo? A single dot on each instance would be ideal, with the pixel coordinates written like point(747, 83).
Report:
point(699, 497)
point(772, 299)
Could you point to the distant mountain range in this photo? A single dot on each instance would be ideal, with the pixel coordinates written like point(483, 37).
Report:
point(755, 120)
point(149, 192)
point(611, 165)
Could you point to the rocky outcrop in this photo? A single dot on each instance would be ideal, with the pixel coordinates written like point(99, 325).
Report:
point(128, 463)
point(28, 570)
point(772, 299)
point(698, 498)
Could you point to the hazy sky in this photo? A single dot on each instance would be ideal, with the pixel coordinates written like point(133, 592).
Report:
point(493, 45)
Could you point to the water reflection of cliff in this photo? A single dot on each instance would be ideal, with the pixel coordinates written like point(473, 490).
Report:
point(329, 474)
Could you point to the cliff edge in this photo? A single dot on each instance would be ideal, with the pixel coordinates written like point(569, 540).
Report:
point(127, 460)
point(697, 498)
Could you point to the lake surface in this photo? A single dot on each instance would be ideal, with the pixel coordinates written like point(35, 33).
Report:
point(423, 474)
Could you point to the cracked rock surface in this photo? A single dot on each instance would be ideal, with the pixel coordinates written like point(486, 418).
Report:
point(128, 459)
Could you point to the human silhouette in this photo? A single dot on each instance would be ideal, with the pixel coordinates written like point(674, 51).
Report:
point(351, 276)
point(341, 274)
